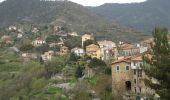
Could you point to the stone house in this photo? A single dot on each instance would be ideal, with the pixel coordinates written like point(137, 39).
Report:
point(147, 43)
point(128, 78)
point(47, 56)
point(74, 34)
point(64, 50)
point(86, 37)
point(7, 39)
point(55, 44)
point(12, 28)
point(29, 56)
point(93, 51)
point(108, 50)
point(127, 49)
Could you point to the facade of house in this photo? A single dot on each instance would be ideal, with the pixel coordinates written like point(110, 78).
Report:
point(7, 39)
point(29, 56)
point(128, 78)
point(108, 50)
point(47, 56)
point(12, 28)
point(127, 49)
point(38, 42)
point(75, 34)
point(34, 30)
point(147, 43)
point(93, 51)
point(64, 50)
point(54, 44)
point(19, 35)
point(86, 37)
point(78, 51)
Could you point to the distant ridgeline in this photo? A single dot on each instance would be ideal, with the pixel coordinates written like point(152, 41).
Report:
point(68, 14)
point(144, 16)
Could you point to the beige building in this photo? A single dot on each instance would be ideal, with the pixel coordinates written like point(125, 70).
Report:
point(74, 34)
point(127, 49)
point(127, 78)
point(47, 56)
point(64, 50)
point(108, 50)
point(86, 37)
point(7, 39)
point(93, 51)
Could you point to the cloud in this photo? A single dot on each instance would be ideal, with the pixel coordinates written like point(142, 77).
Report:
point(100, 2)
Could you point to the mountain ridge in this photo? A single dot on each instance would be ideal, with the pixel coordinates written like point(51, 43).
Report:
point(71, 15)
point(143, 16)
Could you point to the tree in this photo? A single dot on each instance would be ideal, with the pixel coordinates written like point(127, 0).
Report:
point(94, 63)
point(159, 65)
point(88, 42)
point(72, 42)
point(74, 57)
point(26, 47)
point(53, 38)
point(79, 72)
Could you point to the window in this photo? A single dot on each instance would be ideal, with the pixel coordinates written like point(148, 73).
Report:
point(135, 81)
point(117, 68)
point(135, 89)
point(128, 85)
point(127, 68)
point(139, 73)
point(134, 72)
point(140, 89)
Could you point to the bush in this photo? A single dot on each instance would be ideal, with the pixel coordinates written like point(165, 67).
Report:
point(79, 72)
point(26, 47)
point(94, 63)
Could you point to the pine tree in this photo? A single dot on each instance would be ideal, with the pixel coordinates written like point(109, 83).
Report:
point(79, 72)
point(158, 66)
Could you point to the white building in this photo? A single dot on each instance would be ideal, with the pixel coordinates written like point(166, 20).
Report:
point(35, 30)
point(73, 34)
point(11, 28)
point(47, 56)
point(19, 35)
point(78, 51)
point(38, 42)
point(29, 56)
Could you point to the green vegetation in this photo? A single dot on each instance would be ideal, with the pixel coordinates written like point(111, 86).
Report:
point(94, 63)
point(53, 38)
point(26, 47)
point(158, 66)
point(88, 42)
point(72, 42)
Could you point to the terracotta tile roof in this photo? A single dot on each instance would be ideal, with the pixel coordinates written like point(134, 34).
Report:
point(127, 59)
point(92, 45)
point(137, 58)
point(128, 46)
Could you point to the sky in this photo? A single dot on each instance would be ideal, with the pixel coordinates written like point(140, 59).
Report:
point(100, 2)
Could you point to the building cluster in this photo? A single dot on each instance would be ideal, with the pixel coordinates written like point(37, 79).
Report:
point(125, 59)
point(126, 64)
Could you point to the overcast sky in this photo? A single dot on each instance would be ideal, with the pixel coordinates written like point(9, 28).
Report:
point(100, 2)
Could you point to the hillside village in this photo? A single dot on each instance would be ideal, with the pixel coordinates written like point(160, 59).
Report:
point(74, 62)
